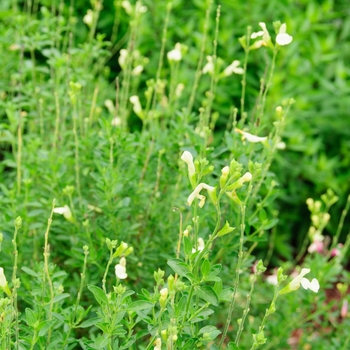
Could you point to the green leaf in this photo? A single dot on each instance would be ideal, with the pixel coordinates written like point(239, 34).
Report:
point(30, 317)
point(140, 305)
point(30, 272)
point(226, 294)
point(232, 346)
point(205, 268)
point(179, 267)
point(128, 343)
point(187, 246)
point(60, 297)
point(90, 322)
point(99, 294)
point(207, 329)
point(208, 294)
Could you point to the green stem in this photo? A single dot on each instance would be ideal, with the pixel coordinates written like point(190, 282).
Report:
point(200, 63)
point(244, 78)
point(46, 270)
point(246, 309)
point(238, 272)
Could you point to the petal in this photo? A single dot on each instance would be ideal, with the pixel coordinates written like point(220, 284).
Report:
point(305, 283)
point(283, 28)
point(283, 39)
point(257, 34)
point(314, 285)
point(60, 210)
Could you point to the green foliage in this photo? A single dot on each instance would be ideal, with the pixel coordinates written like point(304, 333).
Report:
point(108, 127)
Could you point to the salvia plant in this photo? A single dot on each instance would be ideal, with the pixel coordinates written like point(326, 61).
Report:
point(138, 225)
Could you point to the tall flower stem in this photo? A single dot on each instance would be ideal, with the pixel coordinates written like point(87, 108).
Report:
point(47, 271)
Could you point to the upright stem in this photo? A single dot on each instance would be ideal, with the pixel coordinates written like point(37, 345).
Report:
point(18, 224)
point(200, 62)
point(244, 78)
point(238, 272)
point(269, 82)
point(47, 271)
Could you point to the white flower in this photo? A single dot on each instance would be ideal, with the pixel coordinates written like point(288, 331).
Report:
point(304, 282)
point(140, 8)
point(158, 344)
point(136, 104)
point(233, 68)
point(88, 19)
point(209, 67)
point(225, 170)
point(116, 121)
point(246, 177)
point(196, 194)
point(164, 293)
point(250, 137)
point(265, 35)
point(188, 159)
point(179, 89)
point(257, 34)
point(137, 70)
point(282, 37)
point(272, 279)
point(123, 54)
point(110, 106)
point(66, 212)
point(120, 269)
point(200, 245)
point(127, 7)
point(3, 281)
point(175, 55)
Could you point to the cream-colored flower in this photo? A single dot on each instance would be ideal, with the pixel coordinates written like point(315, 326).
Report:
point(127, 7)
point(257, 34)
point(249, 137)
point(123, 54)
point(120, 269)
point(300, 280)
point(137, 70)
point(196, 194)
point(65, 211)
point(179, 89)
point(88, 19)
point(282, 37)
point(158, 344)
point(136, 104)
point(233, 68)
point(188, 159)
point(225, 170)
point(3, 281)
point(200, 245)
point(209, 67)
point(175, 55)
point(265, 36)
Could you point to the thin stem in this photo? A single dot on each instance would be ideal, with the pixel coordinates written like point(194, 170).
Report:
point(76, 142)
point(268, 312)
point(341, 223)
point(246, 309)
point(238, 272)
point(269, 82)
point(47, 271)
point(18, 224)
point(214, 78)
point(57, 121)
point(161, 57)
point(244, 77)
point(106, 271)
point(19, 154)
point(200, 62)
